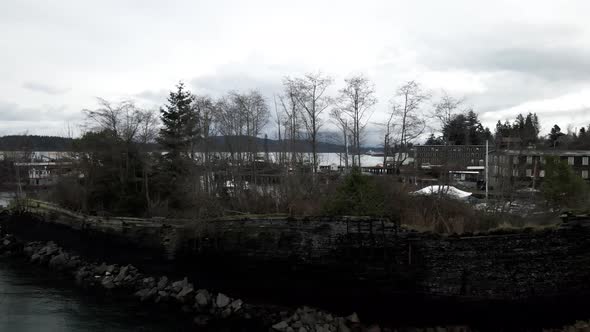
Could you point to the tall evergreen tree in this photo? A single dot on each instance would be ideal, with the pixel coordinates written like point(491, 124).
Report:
point(465, 129)
point(177, 122)
point(176, 137)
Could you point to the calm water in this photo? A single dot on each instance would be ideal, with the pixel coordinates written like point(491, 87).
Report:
point(30, 300)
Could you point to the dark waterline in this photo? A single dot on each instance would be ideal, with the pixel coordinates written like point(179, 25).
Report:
point(31, 300)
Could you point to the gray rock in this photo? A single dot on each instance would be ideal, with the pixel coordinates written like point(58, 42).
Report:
point(35, 258)
point(222, 300)
point(122, 274)
point(236, 305)
point(308, 319)
point(28, 250)
point(226, 313)
point(146, 293)
point(101, 269)
point(149, 282)
point(82, 275)
point(281, 326)
point(354, 318)
point(110, 269)
point(302, 329)
point(108, 282)
point(178, 285)
point(162, 283)
point(203, 298)
point(185, 293)
point(58, 261)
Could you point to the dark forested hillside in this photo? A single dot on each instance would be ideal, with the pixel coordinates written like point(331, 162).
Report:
point(35, 143)
point(215, 144)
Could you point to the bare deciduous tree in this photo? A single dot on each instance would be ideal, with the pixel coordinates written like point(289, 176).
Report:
point(121, 119)
point(444, 111)
point(310, 93)
point(342, 123)
point(293, 114)
point(407, 114)
point(357, 99)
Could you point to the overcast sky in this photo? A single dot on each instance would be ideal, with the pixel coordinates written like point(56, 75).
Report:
point(504, 57)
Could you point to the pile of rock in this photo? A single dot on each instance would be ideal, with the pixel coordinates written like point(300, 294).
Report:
point(308, 319)
point(127, 280)
point(9, 245)
point(205, 305)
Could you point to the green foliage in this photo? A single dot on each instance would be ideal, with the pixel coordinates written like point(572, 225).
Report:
point(178, 123)
point(561, 186)
point(466, 129)
point(357, 195)
point(526, 128)
point(172, 178)
point(112, 174)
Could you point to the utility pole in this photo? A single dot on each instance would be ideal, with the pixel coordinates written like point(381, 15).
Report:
point(487, 168)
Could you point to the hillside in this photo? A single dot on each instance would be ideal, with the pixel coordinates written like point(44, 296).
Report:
point(216, 144)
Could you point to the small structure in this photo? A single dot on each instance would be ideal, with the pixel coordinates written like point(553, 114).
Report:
point(443, 190)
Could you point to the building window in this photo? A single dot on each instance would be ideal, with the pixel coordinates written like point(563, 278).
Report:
point(542, 173)
point(570, 160)
point(543, 161)
point(515, 172)
point(515, 160)
point(529, 160)
point(584, 174)
point(585, 161)
point(529, 172)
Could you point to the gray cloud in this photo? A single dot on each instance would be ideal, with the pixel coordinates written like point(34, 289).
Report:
point(13, 112)
point(157, 97)
point(45, 88)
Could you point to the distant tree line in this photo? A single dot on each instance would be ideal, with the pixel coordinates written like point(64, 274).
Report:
point(35, 143)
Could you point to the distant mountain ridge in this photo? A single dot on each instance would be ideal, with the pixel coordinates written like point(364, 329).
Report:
point(215, 144)
point(35, 143)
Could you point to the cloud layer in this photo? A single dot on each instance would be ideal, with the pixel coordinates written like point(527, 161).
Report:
point(503, 56)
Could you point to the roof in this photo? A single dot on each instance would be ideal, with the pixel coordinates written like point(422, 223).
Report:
point(548, 152)
point(464, 172)
point(445, 190)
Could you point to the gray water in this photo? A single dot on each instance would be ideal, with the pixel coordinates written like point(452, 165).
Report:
point(31, 300)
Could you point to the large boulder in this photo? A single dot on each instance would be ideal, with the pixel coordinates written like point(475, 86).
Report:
point(202, 299)
point(108, 282)
point(185, 293)
point(280, 326)
point(58, 261)
point(35, 258)
point(177, 286)
point(101, 269)
point(162, 283)
point(222, 300)
point(122, 274)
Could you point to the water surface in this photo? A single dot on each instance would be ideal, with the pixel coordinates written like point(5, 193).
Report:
point(33, 300)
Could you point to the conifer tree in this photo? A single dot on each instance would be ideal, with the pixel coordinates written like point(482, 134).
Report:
point(178, 123)
point(176, 166)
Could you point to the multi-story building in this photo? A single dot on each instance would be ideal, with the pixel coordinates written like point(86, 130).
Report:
point(450, 156)
point(528, 165)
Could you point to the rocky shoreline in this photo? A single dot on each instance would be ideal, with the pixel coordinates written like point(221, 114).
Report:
point(204, 306)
